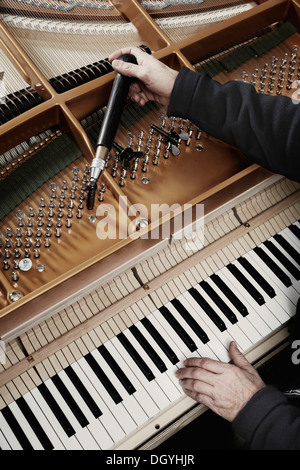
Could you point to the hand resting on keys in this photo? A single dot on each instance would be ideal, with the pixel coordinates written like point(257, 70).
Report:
point(225, 388)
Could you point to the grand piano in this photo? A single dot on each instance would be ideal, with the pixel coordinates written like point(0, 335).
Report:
point(94, 321)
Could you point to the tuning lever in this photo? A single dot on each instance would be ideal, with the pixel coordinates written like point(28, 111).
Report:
point(109, 127)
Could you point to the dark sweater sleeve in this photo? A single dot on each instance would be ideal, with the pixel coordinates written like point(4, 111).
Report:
point(265, 128)
point(269, 422)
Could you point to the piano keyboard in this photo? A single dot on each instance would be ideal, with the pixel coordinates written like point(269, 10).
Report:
point(96, 392)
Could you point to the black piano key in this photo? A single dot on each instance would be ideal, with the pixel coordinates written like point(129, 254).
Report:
point(60, 416)
point(103, 378)
point(292, 269)
point(295, 230)
point(148, 348)
point(160, 341)
point(16, 429)
point(37, 428)
point(136, 357)
point(70, 401)
point(287, 247)
point(116, 369)
point(230, 294)
point(190, 320)
point(83, 392)
point(178, 328)
point(219, 302)
point(273, 266)
point(257, 276)
point(207, 309)
point(246, 284)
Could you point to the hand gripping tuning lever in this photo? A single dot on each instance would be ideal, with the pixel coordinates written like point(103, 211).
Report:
point(109, 127)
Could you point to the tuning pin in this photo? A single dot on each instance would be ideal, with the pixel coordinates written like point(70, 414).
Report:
point(27, 242)
point(14, 276)
point(47, 242)
point(37, 243)
point(68, 223)
point(6, 265)
point(18, 243)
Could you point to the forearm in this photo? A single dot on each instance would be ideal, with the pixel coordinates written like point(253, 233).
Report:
point(265, 128)
point(269, 422)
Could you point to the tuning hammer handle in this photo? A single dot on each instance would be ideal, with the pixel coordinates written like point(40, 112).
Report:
point(115, 105)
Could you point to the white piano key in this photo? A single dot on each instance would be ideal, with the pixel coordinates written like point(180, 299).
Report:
point(291, 238)
point(82, 434)
point(234, 330)
point(168, 335)
point(107, 418)
point(287, 307)
point(172, 338)
point(163, 385)
point(204, 350)
point(42, 419)
point(217, 344)
point(70, 443)
point(171, 369)
point(244, 324)
point(62, 404)
point(288, 295)
point(117, 410)
point(296, 284)
point(239, 290)
point(146, 406)
point(297, 223)
point(4, 444)
point(274, 312)
point(82, 405)
point(9, 434)
point(129, 423)
point(100, 434)
point(285, 253)
point(151, 387)
point(27, 429)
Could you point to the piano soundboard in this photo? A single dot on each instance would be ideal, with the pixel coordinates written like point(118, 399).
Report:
point(92, 329)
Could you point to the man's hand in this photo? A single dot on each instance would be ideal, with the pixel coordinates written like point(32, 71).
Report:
point(224, 388)
point(154, 80)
